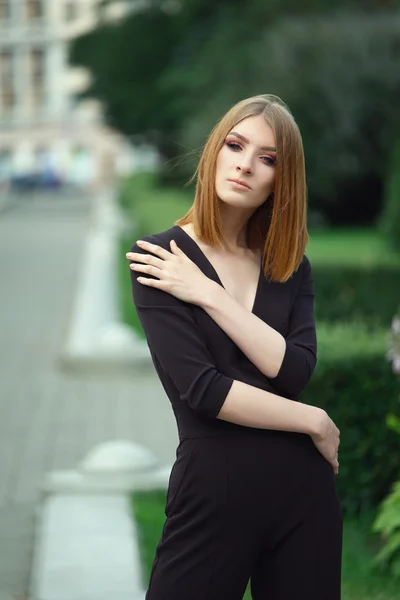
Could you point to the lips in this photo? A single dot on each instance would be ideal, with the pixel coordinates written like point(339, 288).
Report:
point(240, 182)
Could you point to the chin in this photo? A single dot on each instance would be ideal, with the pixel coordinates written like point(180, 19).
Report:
point(232, 199)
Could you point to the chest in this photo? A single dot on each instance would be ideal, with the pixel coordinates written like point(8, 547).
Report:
point(240, 276)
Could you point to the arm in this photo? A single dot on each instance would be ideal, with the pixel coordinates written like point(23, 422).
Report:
point(179, 346)
point(249, 406)
point(289, 362)
point(264, 346)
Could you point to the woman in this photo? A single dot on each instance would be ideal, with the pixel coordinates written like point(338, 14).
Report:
point(226, 300)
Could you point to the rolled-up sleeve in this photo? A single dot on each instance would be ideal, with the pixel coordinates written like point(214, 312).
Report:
point(301, 342)
point(177, 342)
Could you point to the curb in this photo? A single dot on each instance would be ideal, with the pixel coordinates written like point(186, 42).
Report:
point(87, 542)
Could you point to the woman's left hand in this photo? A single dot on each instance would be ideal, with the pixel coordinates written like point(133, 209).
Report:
point(176, 273)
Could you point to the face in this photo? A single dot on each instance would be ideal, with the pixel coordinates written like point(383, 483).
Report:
point(249, 155)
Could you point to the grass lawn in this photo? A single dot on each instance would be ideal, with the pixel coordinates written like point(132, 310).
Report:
point(361, 247)
point(359, 580)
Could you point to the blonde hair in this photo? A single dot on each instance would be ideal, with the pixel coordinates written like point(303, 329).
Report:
point(279, 226)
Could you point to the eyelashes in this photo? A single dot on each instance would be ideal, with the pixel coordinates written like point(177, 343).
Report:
point(234, 145)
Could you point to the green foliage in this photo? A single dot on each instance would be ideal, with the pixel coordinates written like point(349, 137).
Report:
point(354, 383)
point(149, 514)
point(356, 293)
point(126, 60)
point(393, 423)
point(169, 76)
point(387, 523)
point(338, 74)
point(151, 206)
point(390, 220)
point(362, 247)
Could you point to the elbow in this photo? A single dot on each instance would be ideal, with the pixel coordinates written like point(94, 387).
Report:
point(207, 394)
point(302, 378)
point(295, 372)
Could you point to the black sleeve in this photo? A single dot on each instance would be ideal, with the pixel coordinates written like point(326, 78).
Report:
point(175, 338)
point(301, 342)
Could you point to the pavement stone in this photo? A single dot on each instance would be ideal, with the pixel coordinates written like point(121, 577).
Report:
point(50, 419)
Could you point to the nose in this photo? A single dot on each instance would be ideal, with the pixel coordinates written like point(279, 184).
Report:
point(244, 165)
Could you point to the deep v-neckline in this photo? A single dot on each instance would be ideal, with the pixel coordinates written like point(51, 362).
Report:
point(214, 270)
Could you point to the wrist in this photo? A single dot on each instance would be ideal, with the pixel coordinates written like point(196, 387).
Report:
point(314, 419)
point(212, 295)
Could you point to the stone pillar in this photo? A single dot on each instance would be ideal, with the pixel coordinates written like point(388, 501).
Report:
point(86, 545)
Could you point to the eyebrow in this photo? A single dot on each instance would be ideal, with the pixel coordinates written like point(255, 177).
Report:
point(241, 137)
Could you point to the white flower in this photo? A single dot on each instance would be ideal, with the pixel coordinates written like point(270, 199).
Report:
point(396, 325)
point(396, 365)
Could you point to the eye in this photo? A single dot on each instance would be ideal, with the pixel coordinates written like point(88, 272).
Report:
point(270, 160)
point(232, 145)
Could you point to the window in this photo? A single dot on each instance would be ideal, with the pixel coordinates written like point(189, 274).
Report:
point(5, 10)
point(6, 66)
point(37, 76)
point(7, 86)
point(71, 10)
point(34, 9)
point(5, 165)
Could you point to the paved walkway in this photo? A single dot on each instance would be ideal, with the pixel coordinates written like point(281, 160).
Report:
point(49, 420)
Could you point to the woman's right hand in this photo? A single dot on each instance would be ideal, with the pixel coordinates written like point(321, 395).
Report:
point(327, 441)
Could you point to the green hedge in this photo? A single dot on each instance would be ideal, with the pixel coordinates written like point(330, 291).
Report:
point(344, 293)
point(390, 218)
point(354, 383)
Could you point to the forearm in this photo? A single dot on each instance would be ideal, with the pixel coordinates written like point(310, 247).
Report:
point(252, 407)
point(264, 346)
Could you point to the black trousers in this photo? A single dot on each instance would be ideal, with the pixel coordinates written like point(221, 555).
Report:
point(262, 508)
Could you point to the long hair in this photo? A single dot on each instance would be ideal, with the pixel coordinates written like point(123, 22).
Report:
point(279, 226)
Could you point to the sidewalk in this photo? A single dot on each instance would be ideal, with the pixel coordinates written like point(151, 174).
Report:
point(50, 420)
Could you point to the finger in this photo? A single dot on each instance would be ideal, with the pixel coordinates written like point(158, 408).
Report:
point(146, 258)
point(175, 248)
point(154, 249)
point(155, 283)
point(149, 269)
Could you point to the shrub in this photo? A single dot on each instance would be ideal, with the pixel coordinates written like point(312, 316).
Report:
point(354, 384)
point(345, 293)
point(390, 219)
point(387, 521)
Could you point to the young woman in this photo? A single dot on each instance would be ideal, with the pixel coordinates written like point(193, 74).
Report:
point(226, 300)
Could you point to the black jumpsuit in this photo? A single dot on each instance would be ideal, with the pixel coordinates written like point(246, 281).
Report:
point(242, 503)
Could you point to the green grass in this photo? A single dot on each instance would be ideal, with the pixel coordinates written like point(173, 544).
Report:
point(338, 341)
point(350, 247)
point(153, 208)
point(360, 581)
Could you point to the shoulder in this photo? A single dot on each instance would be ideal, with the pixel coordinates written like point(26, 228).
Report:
point(302, 275)
point(306, 277)
point(161, 238)
point(302, 270)
point(305, 264)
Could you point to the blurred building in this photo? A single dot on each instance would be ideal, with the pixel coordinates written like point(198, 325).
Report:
point(46, 136)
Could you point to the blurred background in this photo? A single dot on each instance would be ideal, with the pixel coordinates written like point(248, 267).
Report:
point(104, 110)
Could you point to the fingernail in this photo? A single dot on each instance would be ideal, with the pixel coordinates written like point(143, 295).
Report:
point(139, 243)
